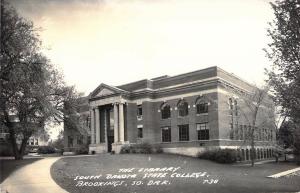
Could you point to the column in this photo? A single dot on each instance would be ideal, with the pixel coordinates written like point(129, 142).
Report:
point(121, 122)
point(116, 123)
point(105, 126)
point(92, 126)
point(97, 125)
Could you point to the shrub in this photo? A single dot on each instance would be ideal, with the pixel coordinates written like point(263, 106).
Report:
point(220, 155)
point(125, 149)
point(158, 149)
point(46, 150)
point(82, 150)
point(144, 148)
point(6, 150)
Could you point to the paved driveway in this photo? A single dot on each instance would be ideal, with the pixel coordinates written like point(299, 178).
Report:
point(32, 178)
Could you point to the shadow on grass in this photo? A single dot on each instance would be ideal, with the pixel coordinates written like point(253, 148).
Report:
point(9, 166)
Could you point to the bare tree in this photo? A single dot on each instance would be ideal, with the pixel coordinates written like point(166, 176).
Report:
point(255, 109)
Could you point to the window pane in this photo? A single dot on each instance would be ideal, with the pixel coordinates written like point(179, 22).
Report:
point(203, 131)
point(166, 134)
point(140, 132)
point(183, 108)
point(202, 108)
point(183, 132)
point(165, 112)
point(139, 110)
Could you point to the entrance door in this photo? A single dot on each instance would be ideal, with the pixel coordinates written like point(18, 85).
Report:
point(110, 140)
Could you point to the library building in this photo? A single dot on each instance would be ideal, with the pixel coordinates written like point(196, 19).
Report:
point(183, 114)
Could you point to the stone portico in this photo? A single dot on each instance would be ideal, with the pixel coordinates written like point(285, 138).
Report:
point(107, 111)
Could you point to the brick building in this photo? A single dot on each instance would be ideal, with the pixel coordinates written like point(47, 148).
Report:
point(77, 136)
point(183, 114)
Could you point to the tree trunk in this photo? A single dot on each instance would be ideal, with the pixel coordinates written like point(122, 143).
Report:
point(18, 152)
point(252, 153)
point(15, 148)
point(252, 156)
point(23, 146)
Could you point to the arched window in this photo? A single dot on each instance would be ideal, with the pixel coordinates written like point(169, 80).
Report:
point(165, 111)
point(183, 108)
point(235, 107)
point(230, 101)
point(201, 106)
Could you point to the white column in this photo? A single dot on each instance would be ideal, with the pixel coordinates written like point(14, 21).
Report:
point(97, 125)
point(92, 114)
point(116, 123)
point(105, 126)
point(121, 122)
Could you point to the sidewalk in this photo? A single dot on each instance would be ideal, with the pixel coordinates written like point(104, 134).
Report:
point(32, 178)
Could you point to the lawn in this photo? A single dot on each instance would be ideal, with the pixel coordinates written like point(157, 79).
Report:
point(142, 173)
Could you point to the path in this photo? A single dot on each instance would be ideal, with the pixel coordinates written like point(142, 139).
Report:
point(33, 178)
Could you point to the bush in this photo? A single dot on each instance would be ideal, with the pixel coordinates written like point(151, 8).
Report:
point(46, 150)
point(82, 150)
point(6, 149)
point(144, 148)
point(220, 155)
point(125, 149)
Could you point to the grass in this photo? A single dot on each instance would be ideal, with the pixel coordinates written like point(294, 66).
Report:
point(232, 178)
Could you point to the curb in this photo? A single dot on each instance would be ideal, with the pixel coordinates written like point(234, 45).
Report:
point(278, 175)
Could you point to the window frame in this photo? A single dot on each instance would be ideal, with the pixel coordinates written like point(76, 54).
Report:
point(201, 136)
point(140, 133)
point(139, 112)
point(165, 112)
point(198, 107)
point(183, 135)
point(183, 108)
point(168, 133)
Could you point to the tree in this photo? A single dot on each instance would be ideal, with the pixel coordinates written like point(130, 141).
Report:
point(285, 134)
point(257, 111)
point(32, 90)
point(284, 52)
point(59, 142)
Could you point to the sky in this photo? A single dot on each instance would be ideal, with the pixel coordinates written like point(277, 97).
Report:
point(121, 41)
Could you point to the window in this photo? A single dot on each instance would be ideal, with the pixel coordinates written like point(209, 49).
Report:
point(241, 132)
point(79, 139)
point(70, 141)
point(202, 108)
point(166, 134)
point(183, 108)
point(231, 131)
point(236, 107)
point(37, 142)
point(140, 132)
point(165, 111)
point(203, 131)
point(139, 112)
point(88, 122)
point(89, 140)
point(183, 132)
point(230, 104)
